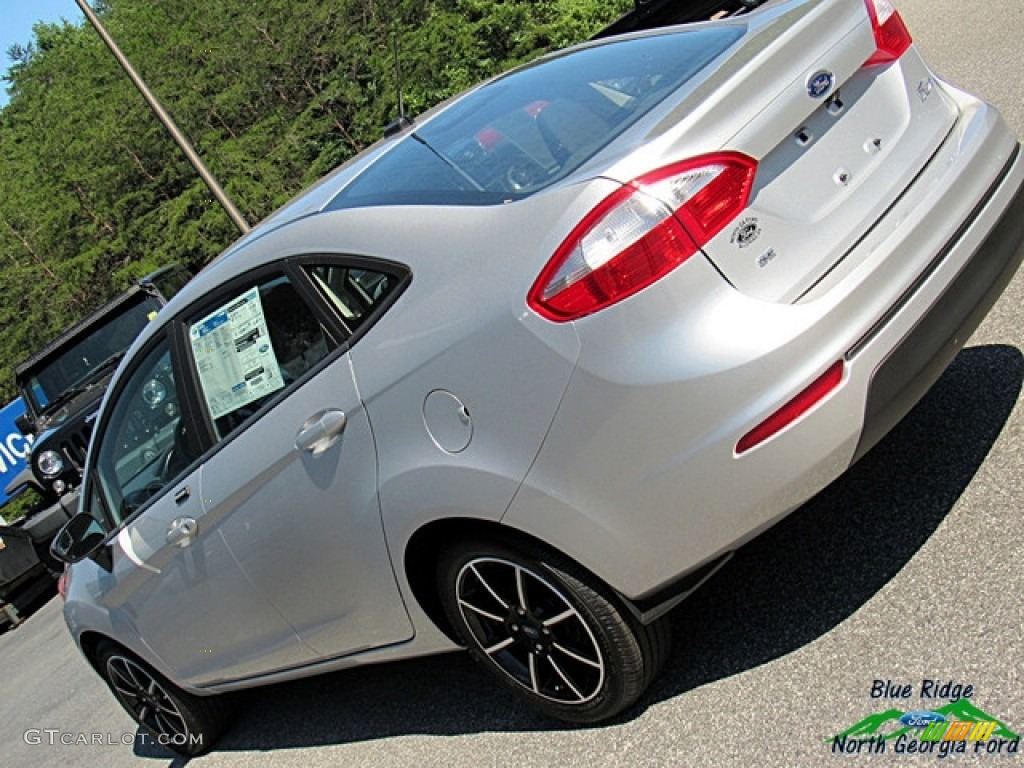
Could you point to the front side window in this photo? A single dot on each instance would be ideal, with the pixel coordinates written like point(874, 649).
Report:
point(145, 444)
point(251, 346)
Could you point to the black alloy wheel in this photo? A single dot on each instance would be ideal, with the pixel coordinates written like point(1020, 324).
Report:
point(174, 719)
point(549, 631)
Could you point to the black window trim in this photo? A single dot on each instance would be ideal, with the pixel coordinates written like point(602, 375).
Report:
point(184, 319)
point(340, 339)
point(176, 334)
point(401, 272)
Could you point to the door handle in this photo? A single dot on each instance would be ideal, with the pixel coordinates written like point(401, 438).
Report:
point(321, 431)
point(182, 531)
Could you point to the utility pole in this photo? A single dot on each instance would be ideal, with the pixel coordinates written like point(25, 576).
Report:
point(218, 192)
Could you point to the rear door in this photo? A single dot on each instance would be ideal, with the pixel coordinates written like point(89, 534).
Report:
point(292, 486)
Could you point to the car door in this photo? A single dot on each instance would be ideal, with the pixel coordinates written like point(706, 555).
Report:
point(292, 486)
point(173, 581)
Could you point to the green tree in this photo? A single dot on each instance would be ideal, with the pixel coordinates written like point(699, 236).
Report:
point(273, 94)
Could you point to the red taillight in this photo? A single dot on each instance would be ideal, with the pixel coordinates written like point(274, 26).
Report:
point(891, 33)
point(640, 233)
point(794, 409)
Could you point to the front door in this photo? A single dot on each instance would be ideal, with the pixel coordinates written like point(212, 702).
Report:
point(174, 582)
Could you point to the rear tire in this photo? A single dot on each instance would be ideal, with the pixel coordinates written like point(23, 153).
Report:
point(549, 631)
point(186, 724)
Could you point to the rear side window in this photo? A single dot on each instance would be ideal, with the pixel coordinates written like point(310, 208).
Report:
point(353, 292)
point(526, 130)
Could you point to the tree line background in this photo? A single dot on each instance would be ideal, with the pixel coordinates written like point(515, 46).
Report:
point(273, 94)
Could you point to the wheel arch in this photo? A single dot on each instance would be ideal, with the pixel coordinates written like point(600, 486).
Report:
point(426, 544)
point(90, 642)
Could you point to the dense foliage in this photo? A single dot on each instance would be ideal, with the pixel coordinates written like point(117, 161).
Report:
point(273, 94)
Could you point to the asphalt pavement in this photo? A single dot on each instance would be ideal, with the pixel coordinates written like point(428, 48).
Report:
point(905, 572)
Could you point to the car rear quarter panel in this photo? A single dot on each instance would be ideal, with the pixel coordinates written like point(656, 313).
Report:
point(462, 327)
point(638, 478)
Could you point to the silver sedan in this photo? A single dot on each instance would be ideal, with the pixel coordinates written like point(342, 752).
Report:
point(521, 377)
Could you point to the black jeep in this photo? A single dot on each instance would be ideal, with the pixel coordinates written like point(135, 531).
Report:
point(62, 386)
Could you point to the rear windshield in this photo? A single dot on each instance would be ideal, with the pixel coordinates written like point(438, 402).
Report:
point(532, 127)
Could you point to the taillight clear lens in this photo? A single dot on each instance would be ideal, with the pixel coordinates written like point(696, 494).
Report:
point(642, 232)
point(891, 33)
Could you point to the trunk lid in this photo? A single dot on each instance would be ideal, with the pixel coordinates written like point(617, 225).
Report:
point(836, 142)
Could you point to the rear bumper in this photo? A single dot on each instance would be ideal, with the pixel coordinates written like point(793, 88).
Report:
point(911, 368)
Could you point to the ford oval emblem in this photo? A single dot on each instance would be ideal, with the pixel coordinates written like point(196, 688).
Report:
point(820, 83)
point(921, 719)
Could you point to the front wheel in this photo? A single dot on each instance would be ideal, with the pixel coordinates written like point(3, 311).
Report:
point(179, 721)
point(549, 631)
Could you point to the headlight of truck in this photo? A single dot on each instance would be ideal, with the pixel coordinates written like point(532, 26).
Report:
point(50, 464)
point(154, 392)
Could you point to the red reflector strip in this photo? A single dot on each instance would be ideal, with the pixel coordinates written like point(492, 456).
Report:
point(794, 409)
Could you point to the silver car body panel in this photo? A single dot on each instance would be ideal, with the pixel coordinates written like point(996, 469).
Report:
point(830, 165)
point(675, 393)
point(254, 591)
point(611, 438)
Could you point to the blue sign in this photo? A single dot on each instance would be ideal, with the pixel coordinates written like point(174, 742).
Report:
point(14, 446)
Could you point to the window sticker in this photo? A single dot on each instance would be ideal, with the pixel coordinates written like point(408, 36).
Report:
point(234, 356)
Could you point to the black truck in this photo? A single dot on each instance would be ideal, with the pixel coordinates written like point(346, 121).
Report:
point(62, 386)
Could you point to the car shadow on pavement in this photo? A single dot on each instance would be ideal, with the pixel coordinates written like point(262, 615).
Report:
point(785, 589)
point(814, 569)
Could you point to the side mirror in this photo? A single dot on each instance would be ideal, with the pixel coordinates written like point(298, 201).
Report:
point(81, 537)
point(25, 424)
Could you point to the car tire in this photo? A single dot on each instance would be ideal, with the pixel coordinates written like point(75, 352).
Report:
point(179, 721)
point(549, 631)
